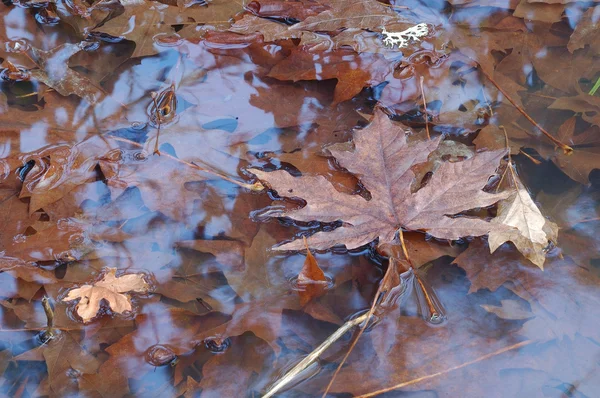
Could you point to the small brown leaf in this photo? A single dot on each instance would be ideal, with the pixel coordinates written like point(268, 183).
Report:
point(311, 279)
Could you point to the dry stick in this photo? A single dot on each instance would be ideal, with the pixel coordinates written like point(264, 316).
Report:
point(425, 106)
point(566, 149)
point(434, 375)
point(257, 186)
point(314, 355)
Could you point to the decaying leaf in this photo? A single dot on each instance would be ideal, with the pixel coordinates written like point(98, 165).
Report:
point(111, 288)
point(528, 229)
point(382, 160)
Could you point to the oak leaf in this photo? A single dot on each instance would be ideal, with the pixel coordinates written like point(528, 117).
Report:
point(382, 160)
point(110, 288)
point(60, 169)
point(67, 359)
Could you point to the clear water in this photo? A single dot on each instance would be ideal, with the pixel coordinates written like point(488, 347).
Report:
point(223, 318)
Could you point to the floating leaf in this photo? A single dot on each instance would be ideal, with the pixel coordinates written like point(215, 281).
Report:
point(111, 288)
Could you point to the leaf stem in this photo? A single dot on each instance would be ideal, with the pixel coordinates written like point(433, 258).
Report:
point(566, 149)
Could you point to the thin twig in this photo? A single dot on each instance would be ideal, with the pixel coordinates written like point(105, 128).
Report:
point(314, 355)
point(257, 186)
point(566, 149)
point(434, 375)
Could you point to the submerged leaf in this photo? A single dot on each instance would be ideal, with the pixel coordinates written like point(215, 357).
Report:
point(55, 73)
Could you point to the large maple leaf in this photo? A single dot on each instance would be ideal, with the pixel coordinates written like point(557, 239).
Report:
point(382, 159)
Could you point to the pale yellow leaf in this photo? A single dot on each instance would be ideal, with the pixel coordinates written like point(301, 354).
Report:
point(112, 289)
point(528, 229)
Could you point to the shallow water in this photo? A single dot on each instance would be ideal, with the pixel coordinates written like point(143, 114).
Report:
point(141, 164)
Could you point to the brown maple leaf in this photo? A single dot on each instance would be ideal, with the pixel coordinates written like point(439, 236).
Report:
point(382, 160)
point(111, 288)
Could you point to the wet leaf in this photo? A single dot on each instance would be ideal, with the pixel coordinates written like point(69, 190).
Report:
point(363, 14)
point(529, 230)
point(365, 70)
point(244, 360)
point(151, 348)
point(311, 279)
point(60, 169)
point(153, 22)
point(149, 173)
point(67, 360)
point(586, 31)
point(559, 297)
point(55, 73)
point(111, 288)
point(382, 160)
point(284, 9)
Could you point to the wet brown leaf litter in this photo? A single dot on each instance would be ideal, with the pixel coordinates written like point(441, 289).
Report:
point(299, 198)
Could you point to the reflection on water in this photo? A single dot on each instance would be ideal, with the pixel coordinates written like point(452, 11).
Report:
point(126, 145)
